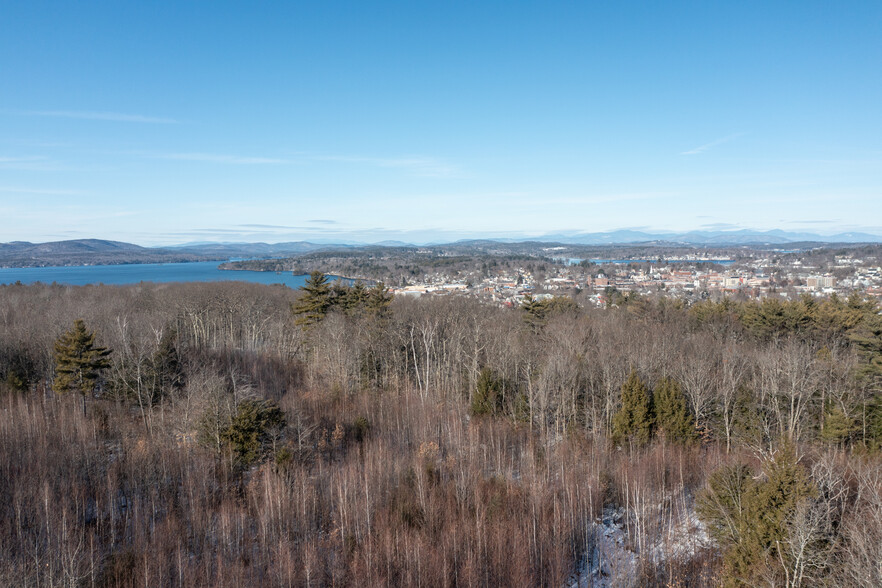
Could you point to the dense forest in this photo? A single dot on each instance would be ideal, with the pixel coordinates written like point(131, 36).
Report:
point(395, 266)
point(237, 434)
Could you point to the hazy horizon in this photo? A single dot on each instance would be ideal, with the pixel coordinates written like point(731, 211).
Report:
point(441, 237)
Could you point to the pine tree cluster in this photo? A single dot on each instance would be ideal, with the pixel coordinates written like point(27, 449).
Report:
point(645, 414)
point(319, 298)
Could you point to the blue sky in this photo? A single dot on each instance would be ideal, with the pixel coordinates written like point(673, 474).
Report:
point(170, 122)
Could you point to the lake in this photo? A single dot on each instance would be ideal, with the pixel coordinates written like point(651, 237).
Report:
point(202, 271)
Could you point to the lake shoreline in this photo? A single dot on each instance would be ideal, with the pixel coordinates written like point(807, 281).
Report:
point(128, 274)
point(331, 277)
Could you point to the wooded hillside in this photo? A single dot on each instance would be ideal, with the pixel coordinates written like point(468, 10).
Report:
point(239, 434)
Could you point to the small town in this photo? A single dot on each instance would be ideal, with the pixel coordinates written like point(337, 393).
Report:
point(683, 278)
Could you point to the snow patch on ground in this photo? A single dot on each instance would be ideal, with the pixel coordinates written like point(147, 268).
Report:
point(613, 560)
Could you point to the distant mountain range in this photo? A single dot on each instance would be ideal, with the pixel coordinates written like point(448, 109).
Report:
point(227, 250)
point(619, 237)
point(101, 252)
point(714, 238)
point(74, 247)
point(88, 252)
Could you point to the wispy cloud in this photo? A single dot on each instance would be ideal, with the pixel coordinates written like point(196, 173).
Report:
point(38, 191)
point(27, 163)
point(703, 148)
point(26, 159)
point(203, 232)
point(594, 199)
point(810, 222)
point(323, 221)
point(39, 144)
point(222, 158)
point(416, 165)
point(260, 226)
point(720, 226)
point(430, 167)
point(105, 116)
point(37, 163)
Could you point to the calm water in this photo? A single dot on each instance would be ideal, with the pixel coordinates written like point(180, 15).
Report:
point(203, 271)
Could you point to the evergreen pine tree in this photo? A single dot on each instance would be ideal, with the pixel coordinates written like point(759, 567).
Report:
point(672, 417)
point(537, 312)
point(349, 299)
point(315, 301)
point(534, 312)
point(634, 420)
point(488, 394)
point(78, 361)
point(751, 518)
point(378, 300)
point(837, 426)
point(873, 437)
point(771, 506)
point(252, 429)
